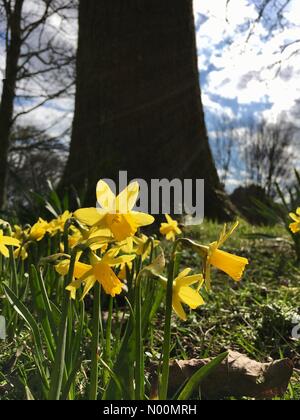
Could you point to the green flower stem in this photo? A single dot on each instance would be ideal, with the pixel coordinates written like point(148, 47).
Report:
point(139, 348)
point(107, 354)
point(93, 390)
point(14, 274)
point(59, 362)
point(163, 389)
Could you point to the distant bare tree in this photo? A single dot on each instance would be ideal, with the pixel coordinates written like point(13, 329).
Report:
point(224, 139)
point(38, 67)
point(34, 159)
point(267, 154)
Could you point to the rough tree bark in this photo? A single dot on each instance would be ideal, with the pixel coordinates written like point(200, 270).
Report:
point(8, 90)
point(138, 103)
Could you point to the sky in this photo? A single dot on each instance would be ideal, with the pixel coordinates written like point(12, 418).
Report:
point(242, 75)
point(243, 70)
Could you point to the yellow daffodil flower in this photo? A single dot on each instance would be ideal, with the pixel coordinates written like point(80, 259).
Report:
point(99, 270)
point(295, 226)
point(79, 270)
point(38, 230)
point(230, 264)
point(184, 294)
point(142, 246)
point(7, 241)
point(75, 238)
point(139, 245)
point(20, 233)
point(21, 252)
point(170, 229)
point(97, 238)
point(58, 224)
point(114, 212)
point(123, 272)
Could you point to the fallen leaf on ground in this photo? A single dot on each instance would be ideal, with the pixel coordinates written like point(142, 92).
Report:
point(238, 376)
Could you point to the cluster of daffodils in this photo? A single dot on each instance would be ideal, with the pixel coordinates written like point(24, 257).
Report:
point(104, 242)
point(20, 238)
point(295, 226)
point(111, 234)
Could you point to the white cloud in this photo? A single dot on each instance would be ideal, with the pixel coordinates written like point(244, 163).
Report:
point(247, 72)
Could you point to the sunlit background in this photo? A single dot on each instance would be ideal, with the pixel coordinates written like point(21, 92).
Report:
point(249, 70)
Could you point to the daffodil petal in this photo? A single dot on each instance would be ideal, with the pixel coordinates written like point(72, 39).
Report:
point(127, 198)
point(104, 233)
point(120, 260)
point(127, 245)
point(178, 309)
point(105, 197)
point(168, 218)
point(189, 280)
point(72, 288)
point(80, 269)
point(63, 267)
point(90, 216)
point(4, 251)
point(224, 236)
point(7, 240)
point(111, 254)
point(294, 217)
point(142, 219)
point(184, 273)
point(89, 283)
point(190, 297)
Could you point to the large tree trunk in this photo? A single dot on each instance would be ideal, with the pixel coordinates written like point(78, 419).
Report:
point(8, 91)
point(138, 103)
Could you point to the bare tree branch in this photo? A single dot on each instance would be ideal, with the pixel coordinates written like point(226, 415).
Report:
point(49, 98)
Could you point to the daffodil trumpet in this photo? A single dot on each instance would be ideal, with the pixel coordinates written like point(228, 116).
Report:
point(233, 265)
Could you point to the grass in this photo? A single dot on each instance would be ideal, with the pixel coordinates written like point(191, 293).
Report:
point(254, 317)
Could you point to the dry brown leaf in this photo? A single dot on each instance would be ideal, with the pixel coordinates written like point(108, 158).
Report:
point(238, 376)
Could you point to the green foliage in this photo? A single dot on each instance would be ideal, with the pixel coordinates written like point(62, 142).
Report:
point(255, 317)
point(279, 213)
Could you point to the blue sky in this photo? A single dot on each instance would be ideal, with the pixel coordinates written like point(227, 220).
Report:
point(241, 76)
